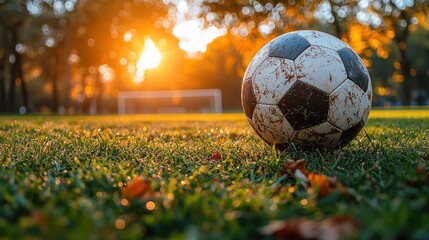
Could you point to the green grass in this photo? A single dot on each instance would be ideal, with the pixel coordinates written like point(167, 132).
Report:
point(62, 177)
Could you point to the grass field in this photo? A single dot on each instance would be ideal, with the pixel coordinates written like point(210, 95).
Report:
point(210, 177)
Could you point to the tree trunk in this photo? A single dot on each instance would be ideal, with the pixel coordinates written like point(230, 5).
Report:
point(20, 77)
point(67, 72)
point(12, 82)
point(53, 75)
point(55, 99)
point(99, 87)
point(85, 102)
point(3, 64)
point(16, 72)
point(3, 60)
point(405, 70)
point(337, 25)
point(401, 42)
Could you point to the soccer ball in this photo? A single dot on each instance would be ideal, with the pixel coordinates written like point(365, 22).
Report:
point(306, 88)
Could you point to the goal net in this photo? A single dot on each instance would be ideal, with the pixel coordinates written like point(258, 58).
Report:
point(180, 101)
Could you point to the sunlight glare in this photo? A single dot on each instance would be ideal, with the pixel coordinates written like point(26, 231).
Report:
point(149, 59)
point(182, 6)
point(193, 37)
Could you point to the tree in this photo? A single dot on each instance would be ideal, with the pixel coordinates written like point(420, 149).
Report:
point(13, 18)
point(3, 60)
point(396, 20)
point(22, 23)
point(71, 44)
point(368, 26)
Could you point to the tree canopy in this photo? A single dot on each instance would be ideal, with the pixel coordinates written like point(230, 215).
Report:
point(76, 55)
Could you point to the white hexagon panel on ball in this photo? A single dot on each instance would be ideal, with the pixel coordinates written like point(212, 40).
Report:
point(269, 122)
point(321, 67)
point(316, 38)
point(349, 105)
point(272, 80)
point(260, 56)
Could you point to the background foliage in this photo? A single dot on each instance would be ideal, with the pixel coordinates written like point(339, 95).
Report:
point(54, 53)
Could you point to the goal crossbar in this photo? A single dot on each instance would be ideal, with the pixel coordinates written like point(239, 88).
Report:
point(215, 94)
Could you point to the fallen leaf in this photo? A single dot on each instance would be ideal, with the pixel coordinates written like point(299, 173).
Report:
point(215, 179)
point(339, 227)
point(420, 179)
point(290, 166)
point(38, 216)
point(138, 188)
point(216, 156)
point(420, 170)
point(333, 228)
point(284, 229)
point(325, 185)
point(320, 183)
point(40, 219)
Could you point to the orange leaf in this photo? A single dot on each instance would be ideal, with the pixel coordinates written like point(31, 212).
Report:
point(216, 156)
point(333, 228)
point(215, 179)
point(138, 188)
point(420, 179)
point(323, 184)
point(420, 170)
point(284, 229)
point(38, 216)
point(40, 219)
point(290, 166)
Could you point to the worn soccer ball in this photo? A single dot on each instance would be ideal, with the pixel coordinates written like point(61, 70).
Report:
point(308, 89)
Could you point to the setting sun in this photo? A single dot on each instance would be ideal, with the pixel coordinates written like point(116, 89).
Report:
point(149, 59)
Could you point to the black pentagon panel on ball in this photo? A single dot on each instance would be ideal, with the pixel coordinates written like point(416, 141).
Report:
point(248, 99)
point(304, 106)
point(354, 68)
point(348, 135)
point(289, 46)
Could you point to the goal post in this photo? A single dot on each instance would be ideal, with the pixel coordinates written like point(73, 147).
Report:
point(175, 101)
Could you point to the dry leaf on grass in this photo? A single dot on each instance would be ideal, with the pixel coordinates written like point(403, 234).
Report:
point(290, 166)
point(325, 185)
point(216, 156)
point(420, 170)
point(421, 178)
point(40, 219)
point(320, 183)
point(138, 188)
point(333, 228)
